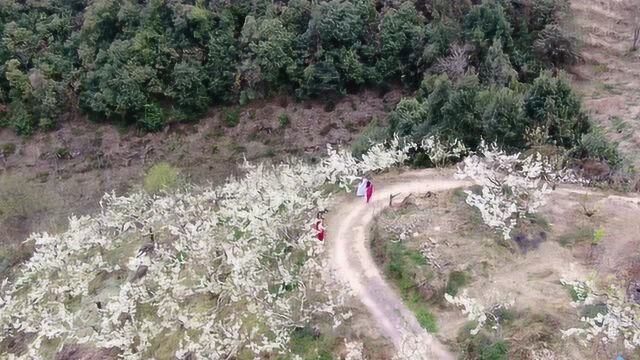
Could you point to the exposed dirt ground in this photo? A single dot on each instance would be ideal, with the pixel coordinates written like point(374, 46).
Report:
point(609, 77)
point(502, 270)
point(347, 237)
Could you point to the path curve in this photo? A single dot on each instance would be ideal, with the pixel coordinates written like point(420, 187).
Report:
point(348, 239)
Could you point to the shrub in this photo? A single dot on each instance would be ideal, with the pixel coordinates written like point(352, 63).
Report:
point(63, 153)
point(373, 133)
point(230, 117)
point(484, 346)
point(161, 176)
point(594, 145)
point(426, 319)
point(153, 118)
point(457, 279)
point(7, 149)
point(551, 103)
point(557, 47)
point(284, 120)
point(496, 351)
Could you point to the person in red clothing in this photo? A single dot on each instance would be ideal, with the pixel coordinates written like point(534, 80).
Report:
point(319, 226)
point(369, 191)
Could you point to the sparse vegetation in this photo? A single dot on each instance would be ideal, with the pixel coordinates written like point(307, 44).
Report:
point(284, 120)
point(457, 279)
point(580, 235)
point(63, 153)
point(160, 177)
point(231, 117)
point(407, 269)
point(21, 199)
point(7, 149)
point(372, 134)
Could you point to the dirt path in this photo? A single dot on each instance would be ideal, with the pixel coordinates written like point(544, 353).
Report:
point(348, 238)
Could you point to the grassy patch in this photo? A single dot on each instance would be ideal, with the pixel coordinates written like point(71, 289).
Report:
point(457, 279)
point(284, 120)
point(230, 117)
point(406, 268)
point(7, 149)
point(581, 234)
point(538, 220)
point(425, 317)
point(618, 124)
point(161, 176)
point(310, 345)
point(20, 198)
point(591, 311)
point(601, 68)
point(484, 345)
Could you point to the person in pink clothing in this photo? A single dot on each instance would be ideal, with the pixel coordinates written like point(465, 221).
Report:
point(369, 191)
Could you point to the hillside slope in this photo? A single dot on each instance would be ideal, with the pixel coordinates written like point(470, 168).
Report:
point(609, 77)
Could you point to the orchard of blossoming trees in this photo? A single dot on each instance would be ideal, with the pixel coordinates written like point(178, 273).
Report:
point(225, 271)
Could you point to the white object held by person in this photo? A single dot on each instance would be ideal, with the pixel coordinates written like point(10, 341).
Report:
point(362, 188)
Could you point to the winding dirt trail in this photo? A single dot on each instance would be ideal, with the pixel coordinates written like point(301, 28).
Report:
point(348, 238)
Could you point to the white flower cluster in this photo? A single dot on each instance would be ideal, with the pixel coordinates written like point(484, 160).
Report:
point(475, 311)
point(354, 350)
point(582, 290)
point(440, 152)
point(511, 187)
point(217, 271)
point(618, 320)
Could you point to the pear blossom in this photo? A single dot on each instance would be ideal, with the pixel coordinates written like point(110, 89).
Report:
point(221, 269)
point(511, 187)
point(475, 311)
point(618, 323)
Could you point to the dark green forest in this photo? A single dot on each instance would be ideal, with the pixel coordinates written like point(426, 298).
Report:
point(479, 68)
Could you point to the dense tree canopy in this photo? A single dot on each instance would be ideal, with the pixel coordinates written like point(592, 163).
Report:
point(155, 62)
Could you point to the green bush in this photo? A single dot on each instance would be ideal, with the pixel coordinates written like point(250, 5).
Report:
point(154, 118)
point(594, 145)
point(551, 104)
point(231, 117)
point(160, 177)
point(425, 318)
point(483, 346)
point(372, 134)
point(284, 120)
point(7, 149)
point(556, 47)
point(457, 279)
point(496, 351)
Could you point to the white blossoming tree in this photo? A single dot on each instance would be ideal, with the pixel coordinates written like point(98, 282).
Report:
point(476, 312)
point(615, 322)
point(217, 271)
point(511, 186)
